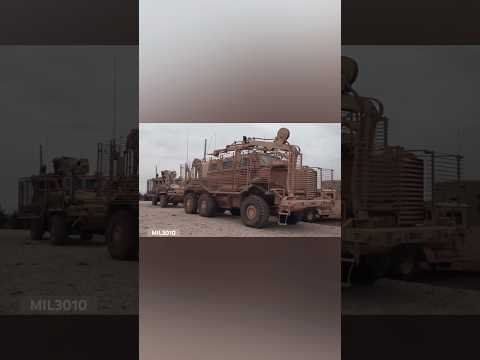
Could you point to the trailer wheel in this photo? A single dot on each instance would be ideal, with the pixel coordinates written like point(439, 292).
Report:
point(36, 229)
point(293, 219)
point(122, 236)
point(207, 206)
point(310, 215)
point(190, 203)
point(255, 211)
point(58, 229)
point(163, 201)
point(154, 201)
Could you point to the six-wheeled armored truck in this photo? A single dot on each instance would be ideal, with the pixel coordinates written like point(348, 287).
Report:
point(69, 201)
point(255, 178)
point(166, 189)
point(393, 224)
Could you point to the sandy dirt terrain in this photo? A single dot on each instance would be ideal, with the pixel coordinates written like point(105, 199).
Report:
point(448, 292)
point(37, 268)
point(188, 225)
point(415, 298)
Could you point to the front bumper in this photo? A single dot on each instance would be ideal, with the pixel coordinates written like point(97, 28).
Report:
point(296, 205)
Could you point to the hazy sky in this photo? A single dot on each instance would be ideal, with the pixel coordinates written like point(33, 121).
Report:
point(165, 145)
point(430, 95)
point(61, 97)
point(236, 61)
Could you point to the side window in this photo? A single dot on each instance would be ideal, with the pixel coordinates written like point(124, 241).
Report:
point(228, 163)
point(265, 160)
point(243, 162)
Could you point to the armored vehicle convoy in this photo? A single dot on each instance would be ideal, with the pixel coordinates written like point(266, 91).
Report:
point(166, 189)
point(257, 179)
point(69, 201)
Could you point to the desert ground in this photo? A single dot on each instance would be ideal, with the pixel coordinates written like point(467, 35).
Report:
point(446, 294)
point(37, 268)
point(449, 292)
point(226, 225)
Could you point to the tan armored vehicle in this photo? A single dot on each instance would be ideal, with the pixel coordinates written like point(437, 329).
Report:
point(258, 179)
point(392, 221)
point(69, 201)
point(166, 189)
point(325, 190)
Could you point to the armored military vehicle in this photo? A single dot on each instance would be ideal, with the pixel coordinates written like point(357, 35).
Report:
point(393, 223)
point(69, 201)
point(166, 189)
point(255, 178)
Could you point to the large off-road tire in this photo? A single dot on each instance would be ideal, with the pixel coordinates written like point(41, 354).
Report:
point(363, 275)
point(293, 219)
point(190, 203)
point(58, 229)
point(406, 264)
point(36, 229)
point(255, 211)
point(310, 215)
point(207, 206)
point(163, 201)
point(122, 235)
point(370, 269)
point(154, 201)
point(235, 212)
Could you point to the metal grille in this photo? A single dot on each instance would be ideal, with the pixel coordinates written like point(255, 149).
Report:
point(439, 169)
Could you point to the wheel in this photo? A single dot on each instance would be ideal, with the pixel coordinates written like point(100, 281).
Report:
point(86, 236)
point(235, 212)
point(310, 215)
point(293, 219)
point(190, 203)
point(369, 269)
point(363, 275)
point(163, 201)
point(122, 235)
point(36, 229)
point(406, 264)
point(206, 206)
point(154, 201)
point(255, 211)
point(58, 229)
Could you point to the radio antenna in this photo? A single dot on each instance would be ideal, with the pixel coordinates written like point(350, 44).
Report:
point(114, 130)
